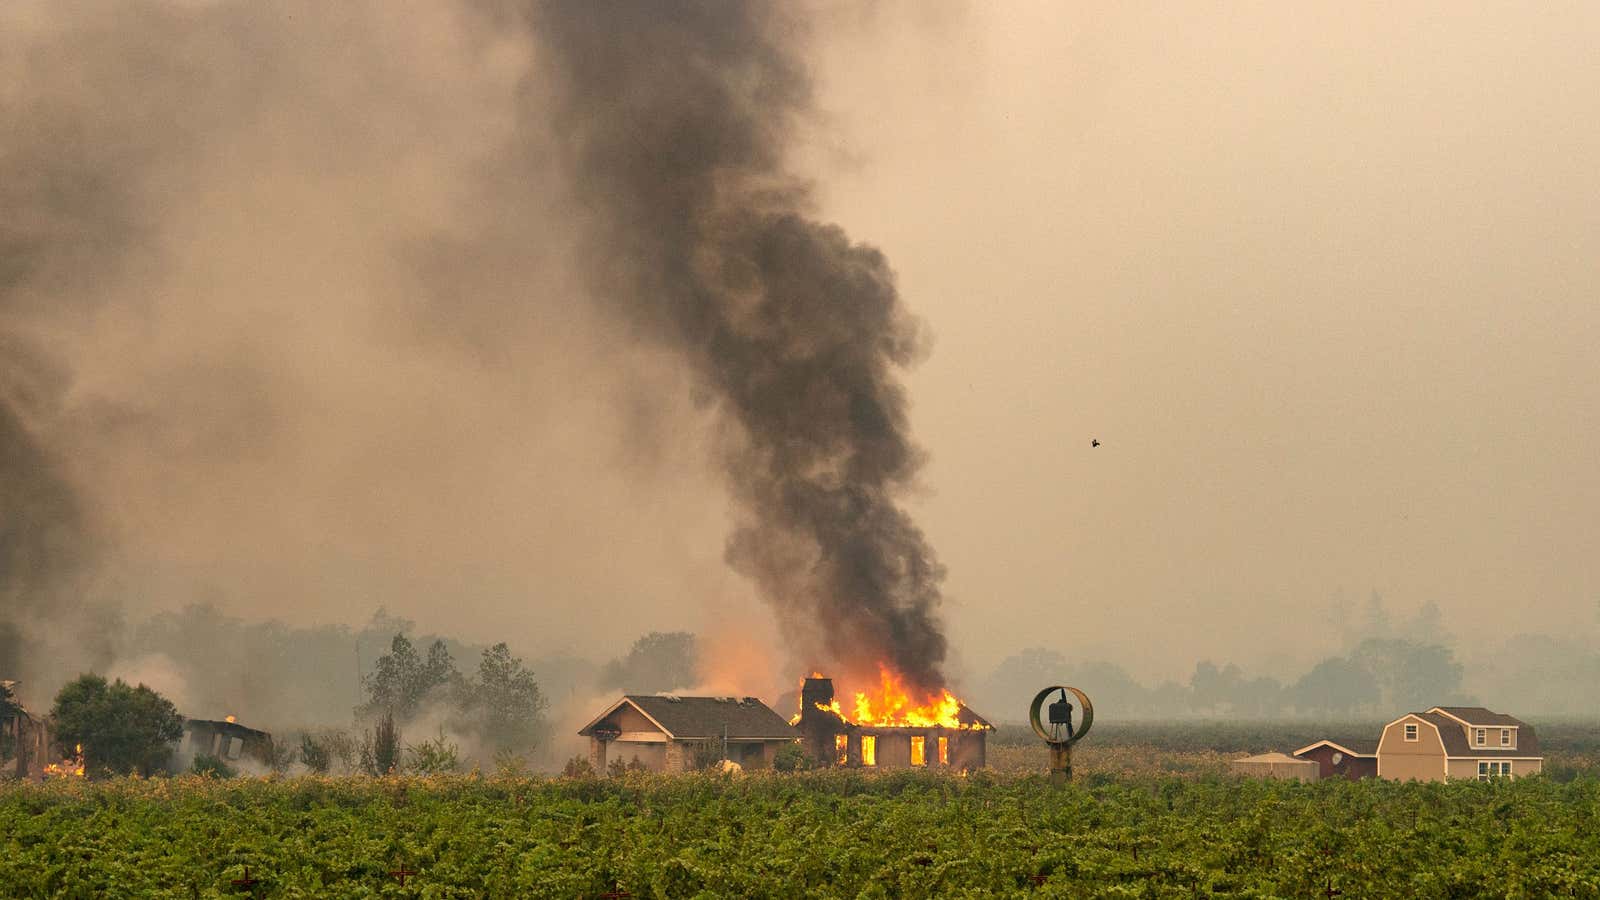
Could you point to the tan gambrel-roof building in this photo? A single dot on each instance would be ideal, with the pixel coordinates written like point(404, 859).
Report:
point(1458, 743)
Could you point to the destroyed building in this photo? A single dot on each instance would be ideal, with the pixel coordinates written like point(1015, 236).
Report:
point(226, 740)
point(957, 743)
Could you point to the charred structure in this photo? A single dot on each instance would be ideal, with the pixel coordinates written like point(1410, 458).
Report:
point(831, 738)
point(227, 740)
point(26, 742)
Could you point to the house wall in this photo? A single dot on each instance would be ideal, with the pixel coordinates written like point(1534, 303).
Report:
point(677, 757)
point(1297, 770)
point(651, 754)
point(33, 743)
point(629, 719)
point(755, 755)
point(894, 750)
point(1403, 760)
point(968, 749)
point(1467, 769)
point(1349, 767)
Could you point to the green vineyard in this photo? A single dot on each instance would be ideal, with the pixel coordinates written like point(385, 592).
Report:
point(808, 835)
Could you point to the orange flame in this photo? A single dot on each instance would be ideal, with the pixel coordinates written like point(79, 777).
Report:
point(67, 768)
point(229, 719)
point(890, 704)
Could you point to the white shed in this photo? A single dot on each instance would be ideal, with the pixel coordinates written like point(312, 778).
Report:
point(1276, 765)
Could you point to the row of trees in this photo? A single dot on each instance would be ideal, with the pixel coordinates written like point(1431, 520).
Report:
point(1378, 675)
point(499, 706)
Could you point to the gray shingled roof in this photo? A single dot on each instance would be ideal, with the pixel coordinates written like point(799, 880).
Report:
point(1477, 715)
point(692, 718)
point(1455, 739)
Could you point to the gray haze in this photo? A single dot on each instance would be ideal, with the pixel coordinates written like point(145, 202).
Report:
point(308, 309)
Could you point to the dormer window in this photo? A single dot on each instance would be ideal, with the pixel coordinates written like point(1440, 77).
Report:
point(1480, 736)
point(1411, 731)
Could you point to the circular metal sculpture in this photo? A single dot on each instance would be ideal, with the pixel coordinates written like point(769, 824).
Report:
point(1061, 734)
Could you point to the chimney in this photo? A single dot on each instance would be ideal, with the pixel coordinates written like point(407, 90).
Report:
point(816, 691)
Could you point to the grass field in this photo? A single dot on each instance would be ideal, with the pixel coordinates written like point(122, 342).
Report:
point(814, 834)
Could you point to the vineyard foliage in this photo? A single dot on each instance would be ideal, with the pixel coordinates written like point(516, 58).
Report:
point(813, 834)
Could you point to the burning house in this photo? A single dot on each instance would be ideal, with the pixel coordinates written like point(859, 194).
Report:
point(226, 740)
point(25, 741)
point(887, 731)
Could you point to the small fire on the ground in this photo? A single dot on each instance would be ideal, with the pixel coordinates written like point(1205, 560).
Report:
point(67, 768)
point(891, 704)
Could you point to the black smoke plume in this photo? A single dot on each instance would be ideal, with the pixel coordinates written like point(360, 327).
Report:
point(677, 117)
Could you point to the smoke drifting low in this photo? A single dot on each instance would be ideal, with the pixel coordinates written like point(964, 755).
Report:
point(677, 118)
point(293, 319)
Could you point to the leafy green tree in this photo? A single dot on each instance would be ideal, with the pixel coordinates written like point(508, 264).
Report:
point(380, 748)
point(1336, 685)
point(509, 705)
point(1214, 686)
point(122, 729)
point(659, 661)
point(403, 679)
point(316, 754)
point(1411, 675)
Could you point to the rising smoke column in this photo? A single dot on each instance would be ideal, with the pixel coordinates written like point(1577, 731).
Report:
point(677, 117)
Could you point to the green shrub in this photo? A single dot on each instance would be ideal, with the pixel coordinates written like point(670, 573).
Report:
point(433, 757)
point(208, 766)
point(791, 758)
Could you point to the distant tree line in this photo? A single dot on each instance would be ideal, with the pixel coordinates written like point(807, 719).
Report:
point(1376, 677)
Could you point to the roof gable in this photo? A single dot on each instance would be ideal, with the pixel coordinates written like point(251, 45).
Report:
point(699, 718)
point(1348, 748)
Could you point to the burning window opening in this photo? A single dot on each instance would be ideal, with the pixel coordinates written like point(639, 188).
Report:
point(889, 731)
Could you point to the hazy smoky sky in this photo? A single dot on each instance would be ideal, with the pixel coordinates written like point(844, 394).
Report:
point(1321, 278)
point(290, 298)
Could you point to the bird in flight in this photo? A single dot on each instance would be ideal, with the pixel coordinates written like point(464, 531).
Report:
point(1094, 442)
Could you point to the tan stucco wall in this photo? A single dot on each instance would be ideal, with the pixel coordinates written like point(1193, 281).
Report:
point(1403, 760)
point(629, 719)
point(651, 754)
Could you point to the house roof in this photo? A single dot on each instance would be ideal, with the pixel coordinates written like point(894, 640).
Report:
point(1273, 758)
point(232, 729)
point(1478, 716)
point(695, 718)
point(1455, 739)
point(1347, 747)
